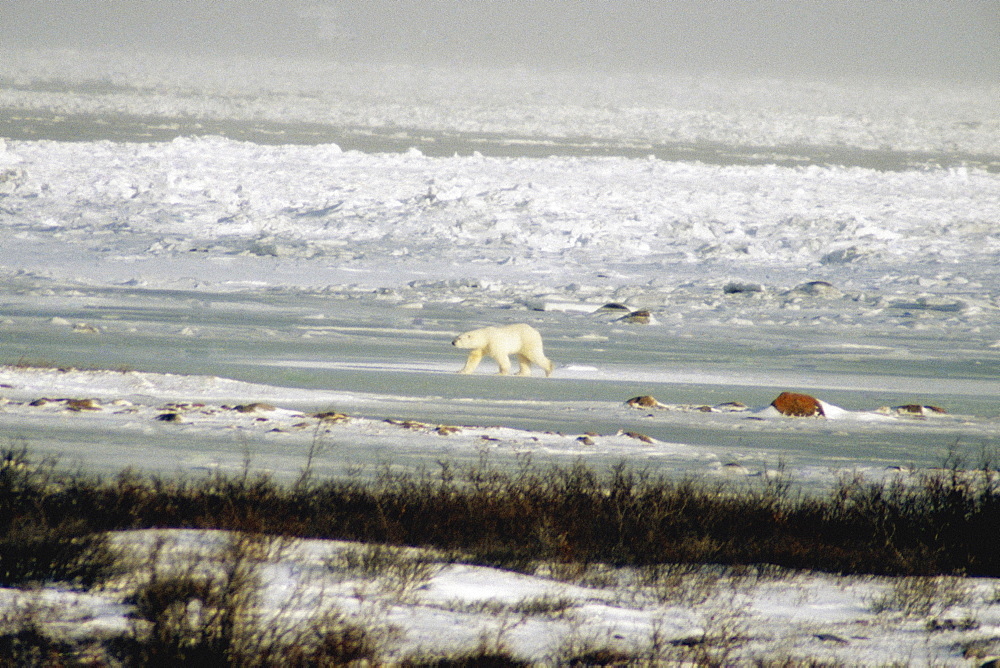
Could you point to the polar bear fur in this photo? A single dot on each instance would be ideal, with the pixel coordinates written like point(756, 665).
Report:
point(502, 342)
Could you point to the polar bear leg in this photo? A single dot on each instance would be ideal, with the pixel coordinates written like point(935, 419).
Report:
point(473, 361)
point(546, 364)
point(503, 361)
point(538, 359)
point(525, 361)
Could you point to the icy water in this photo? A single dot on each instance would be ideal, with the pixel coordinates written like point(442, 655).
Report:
point(29, 124)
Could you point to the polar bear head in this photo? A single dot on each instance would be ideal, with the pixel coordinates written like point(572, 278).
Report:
point(471, 340)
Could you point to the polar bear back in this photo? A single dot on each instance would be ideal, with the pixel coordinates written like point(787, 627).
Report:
point(501, 340)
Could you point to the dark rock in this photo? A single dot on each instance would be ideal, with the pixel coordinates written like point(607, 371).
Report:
point(915, 410)
point(819, 289)
point(736, 288)
point(637, 318)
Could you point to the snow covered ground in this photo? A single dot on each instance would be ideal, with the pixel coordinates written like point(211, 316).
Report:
point(413, 605)
point(184, 238)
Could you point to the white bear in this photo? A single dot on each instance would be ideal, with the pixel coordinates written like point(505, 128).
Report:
point(502, 342)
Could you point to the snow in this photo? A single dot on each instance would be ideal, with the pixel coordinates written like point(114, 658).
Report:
point(837, 238)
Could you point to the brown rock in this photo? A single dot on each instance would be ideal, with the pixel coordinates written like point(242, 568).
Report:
point(637, 436)
point(82, 405)
point(797, 405)
point(644, 401)
point(637, 317)
point(330, 416)
point(407, 424)
point(251, 408)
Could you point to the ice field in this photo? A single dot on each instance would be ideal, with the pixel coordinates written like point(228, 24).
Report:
point(244, 246)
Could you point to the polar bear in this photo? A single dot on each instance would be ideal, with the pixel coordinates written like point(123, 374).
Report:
point(502, 342)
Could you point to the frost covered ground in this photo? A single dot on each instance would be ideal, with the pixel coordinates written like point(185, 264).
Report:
point(182, 238)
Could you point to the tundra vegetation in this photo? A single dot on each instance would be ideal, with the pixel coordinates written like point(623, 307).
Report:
point(686, 541)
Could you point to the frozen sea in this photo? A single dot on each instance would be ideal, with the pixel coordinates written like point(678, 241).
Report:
point(197, 258)
point(313, 236)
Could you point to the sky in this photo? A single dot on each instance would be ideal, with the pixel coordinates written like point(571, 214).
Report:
point(938, 39)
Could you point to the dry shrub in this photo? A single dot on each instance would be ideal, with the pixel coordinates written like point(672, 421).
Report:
point(922, 596)
point(399, 571)
point(566, 517)
point(208, 614)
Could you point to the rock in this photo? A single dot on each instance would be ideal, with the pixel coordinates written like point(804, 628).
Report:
point(447, 430)
point(614, 306)
point(183, 406)
point(330, 416)
point(841, 256)
point(254, 407)
point(407, 424)
point(644, 401)
point(819, 289)
point(82, 405)
point(737, 288)
point(169, 417)
point(915, 410)
point(637, 436)
point(642, 317)
point(797, 405)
